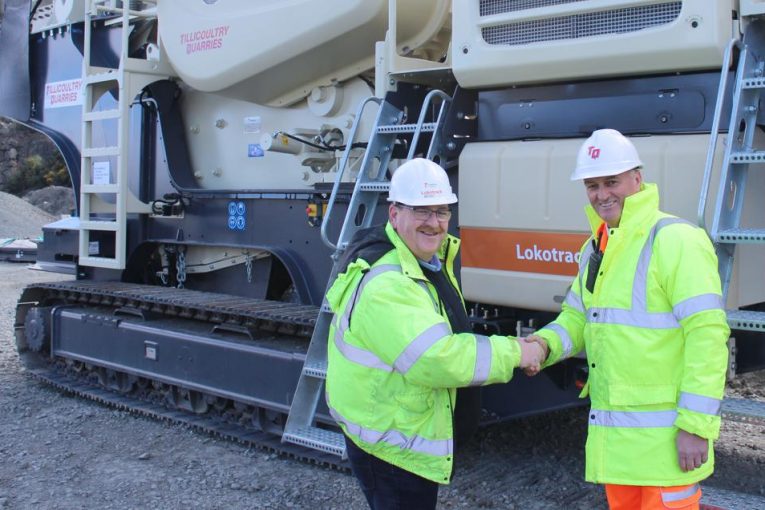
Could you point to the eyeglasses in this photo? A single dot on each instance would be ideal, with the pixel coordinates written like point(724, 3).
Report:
point(423, 213)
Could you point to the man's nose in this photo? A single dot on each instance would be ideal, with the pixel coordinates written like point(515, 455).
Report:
point(432, 219)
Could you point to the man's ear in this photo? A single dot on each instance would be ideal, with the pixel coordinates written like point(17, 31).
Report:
point(393, 213)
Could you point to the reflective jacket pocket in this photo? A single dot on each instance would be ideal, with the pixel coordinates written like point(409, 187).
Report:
point(640, 395)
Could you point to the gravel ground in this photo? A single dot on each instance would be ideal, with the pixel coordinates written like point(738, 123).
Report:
point(19, 218)
point(61, 452)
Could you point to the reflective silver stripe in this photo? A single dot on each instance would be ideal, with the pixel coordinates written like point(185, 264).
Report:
point(565, 340)
point(438, 447)
point(583, 260)
point(639, 290)
point(427, 291)
point(640, 319)
point(670, 497)
point(638, 315)
point(700, 403)
point(574, 301)
point(696, 304)
point(482, 360)
point(632, 419)
point(353, 353)
point(357, 354)
point(419, 345)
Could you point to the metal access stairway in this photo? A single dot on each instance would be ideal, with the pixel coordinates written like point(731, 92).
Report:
point(740, 156)
point(371, 181)
point(105, 199)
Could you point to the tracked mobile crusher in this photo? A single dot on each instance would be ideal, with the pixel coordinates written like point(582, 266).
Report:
point(223, 152)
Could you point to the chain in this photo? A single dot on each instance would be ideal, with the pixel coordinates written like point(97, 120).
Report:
point(180, 266)
point(248, 267)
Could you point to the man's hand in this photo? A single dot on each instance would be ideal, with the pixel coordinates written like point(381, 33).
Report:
point(532, 356)
point(534, 370)
point(692, 450)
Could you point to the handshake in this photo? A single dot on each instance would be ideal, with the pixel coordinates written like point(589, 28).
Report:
point(534, 352)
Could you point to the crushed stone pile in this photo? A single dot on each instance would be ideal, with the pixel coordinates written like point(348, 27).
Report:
point(21, 219)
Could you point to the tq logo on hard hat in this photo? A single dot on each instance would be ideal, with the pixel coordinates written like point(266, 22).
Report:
point(593, 151)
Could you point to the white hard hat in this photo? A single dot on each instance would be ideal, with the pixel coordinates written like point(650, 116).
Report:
point(606, 152)
point(420, 182)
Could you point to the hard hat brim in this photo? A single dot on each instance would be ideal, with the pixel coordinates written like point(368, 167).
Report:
point(602, 172)
point(449, 199)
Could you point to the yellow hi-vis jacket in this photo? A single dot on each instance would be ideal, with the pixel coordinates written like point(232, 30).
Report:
point(655, 333)
point(394, 363)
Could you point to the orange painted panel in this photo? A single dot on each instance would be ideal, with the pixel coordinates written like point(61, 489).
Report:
point(525, 251)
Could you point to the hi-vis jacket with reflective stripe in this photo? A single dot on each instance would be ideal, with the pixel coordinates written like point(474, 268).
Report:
point(655, 333)
point(394, 364)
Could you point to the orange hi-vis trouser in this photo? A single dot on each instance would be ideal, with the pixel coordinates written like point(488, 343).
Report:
point(635, 497)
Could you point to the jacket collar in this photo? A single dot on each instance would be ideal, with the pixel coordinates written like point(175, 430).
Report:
point(637, 208)
point(409, 265)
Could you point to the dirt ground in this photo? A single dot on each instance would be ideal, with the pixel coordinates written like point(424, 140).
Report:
point(61, 452)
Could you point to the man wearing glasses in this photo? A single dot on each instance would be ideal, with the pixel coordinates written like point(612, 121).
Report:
point(401, 344)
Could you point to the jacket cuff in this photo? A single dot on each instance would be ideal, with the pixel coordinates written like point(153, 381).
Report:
point(703, 425)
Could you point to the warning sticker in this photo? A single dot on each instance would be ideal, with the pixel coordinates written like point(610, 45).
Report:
point(63, 93)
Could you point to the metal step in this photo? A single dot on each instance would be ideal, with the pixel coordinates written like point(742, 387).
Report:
point(713, 498)
point(319, 439)
point(99, 152)
point(741, 409)
point(748, 157)
point(377, 187)
point(753, 83)
point(741, 235)
point(100, 188)
point(427, 127)
point(746, 320)
point(101, 115)
point(316, 369)
point(101, 226)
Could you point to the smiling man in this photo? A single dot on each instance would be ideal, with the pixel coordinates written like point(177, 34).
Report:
point(647, 308)
point(401, 344)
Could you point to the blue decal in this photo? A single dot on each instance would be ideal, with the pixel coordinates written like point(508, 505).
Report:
point(254, 150)
point(236, 212)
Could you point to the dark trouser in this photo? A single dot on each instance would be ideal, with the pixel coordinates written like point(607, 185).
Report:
point(387, 486)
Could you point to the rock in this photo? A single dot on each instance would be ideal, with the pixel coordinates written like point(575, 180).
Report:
point(144, 456)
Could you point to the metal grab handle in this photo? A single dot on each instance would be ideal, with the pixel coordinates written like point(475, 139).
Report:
point(714, 134)
point(425, 104)
point(341, 170)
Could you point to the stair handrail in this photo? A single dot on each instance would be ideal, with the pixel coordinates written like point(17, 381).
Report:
point(715, 131)
point(341, 170)
point(425, 104)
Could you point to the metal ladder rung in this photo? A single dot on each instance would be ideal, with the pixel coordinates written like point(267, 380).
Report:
point(753, 83)
point(746, 320)
point(427, 127)
point(741, 235)
point(101, 77)
point(100, 188)
point(741, 409)
point(100, 226)
point(101, 115)
point(317, 369)
point(100, 152)
point(319, 439)
point(377, 187)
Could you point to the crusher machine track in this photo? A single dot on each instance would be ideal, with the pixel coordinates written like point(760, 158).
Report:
point(221, 364)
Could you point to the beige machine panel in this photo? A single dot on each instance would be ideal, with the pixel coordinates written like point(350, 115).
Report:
point(500, 43)
point(522, 220)
point(275, 52)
